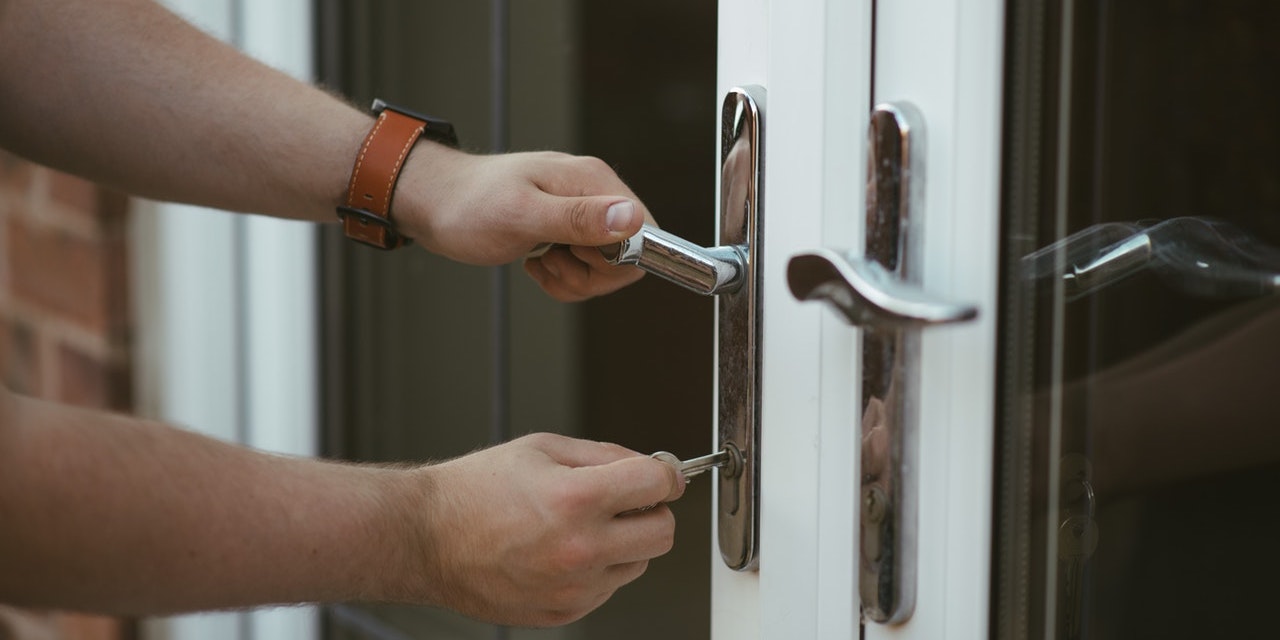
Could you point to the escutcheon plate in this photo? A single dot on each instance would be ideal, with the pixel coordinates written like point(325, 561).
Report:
point(738, 326)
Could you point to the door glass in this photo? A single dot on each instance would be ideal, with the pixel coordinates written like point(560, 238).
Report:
point(1138, 447)
point(427, 359)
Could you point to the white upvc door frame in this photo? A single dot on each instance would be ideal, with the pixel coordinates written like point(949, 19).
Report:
point(946, 57)
point(226, 306)
point(814, 57)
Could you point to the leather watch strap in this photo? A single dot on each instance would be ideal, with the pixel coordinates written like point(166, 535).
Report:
point(366, 216)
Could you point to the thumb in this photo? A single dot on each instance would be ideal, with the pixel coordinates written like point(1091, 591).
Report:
point(592, 221)
point(636, 482)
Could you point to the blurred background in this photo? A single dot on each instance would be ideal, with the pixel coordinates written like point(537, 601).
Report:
point(426, 359)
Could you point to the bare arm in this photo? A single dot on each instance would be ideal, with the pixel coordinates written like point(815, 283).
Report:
point(126, 93)
point(114, 514)
point(96, 507)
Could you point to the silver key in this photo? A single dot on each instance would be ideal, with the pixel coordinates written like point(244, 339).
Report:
point(728, 457)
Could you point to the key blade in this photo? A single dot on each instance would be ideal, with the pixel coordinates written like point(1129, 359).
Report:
point(695, 466)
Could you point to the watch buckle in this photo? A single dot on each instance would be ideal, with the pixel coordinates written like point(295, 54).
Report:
point(366, 218)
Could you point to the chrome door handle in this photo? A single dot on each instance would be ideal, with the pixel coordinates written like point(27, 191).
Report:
point(730, 272)
point(879, 291)
point(709, 271)
point(866, 293)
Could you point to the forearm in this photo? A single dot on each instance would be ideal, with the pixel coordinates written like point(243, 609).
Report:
point(125, 93)
point(114, 514)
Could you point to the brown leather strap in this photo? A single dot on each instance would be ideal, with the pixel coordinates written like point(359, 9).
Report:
point(367, 214)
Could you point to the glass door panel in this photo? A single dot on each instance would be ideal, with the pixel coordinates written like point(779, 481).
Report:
point(427, 359)
point(1138, 445)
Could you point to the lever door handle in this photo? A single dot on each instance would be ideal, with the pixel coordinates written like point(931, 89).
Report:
point(879, 291)
point(866, 294)
point(709, 271)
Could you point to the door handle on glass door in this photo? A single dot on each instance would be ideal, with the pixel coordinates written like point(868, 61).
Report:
point(879, 291)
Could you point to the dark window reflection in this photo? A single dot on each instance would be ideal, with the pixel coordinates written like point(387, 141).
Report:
point(1139, 443)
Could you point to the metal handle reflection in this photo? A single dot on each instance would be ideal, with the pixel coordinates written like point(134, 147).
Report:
point(708, 271)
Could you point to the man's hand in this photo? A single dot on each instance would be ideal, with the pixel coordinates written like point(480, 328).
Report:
point(492, 210)
point(543, 529)
point(253, 139)
point(538, 531)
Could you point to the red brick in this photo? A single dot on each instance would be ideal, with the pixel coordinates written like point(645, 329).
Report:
point(90, 382)
point(72, 192)
point(105, 207)
point(118, 290)
point(21, 356)
point(26, 624)
point(71, 276)
point(21, 624)
point(85, 627)
point(15, 173)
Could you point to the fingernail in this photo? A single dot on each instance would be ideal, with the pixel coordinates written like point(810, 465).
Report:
point(620, 216)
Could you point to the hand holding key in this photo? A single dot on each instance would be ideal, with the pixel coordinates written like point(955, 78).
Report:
point(531, 532)
point(728, 459)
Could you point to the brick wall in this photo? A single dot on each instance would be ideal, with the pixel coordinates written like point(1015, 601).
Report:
point(64, 321)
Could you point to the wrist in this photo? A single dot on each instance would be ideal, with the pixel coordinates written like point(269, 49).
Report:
point(406, 568)
point(349, 136)
point(431, 173)
point(367, 211)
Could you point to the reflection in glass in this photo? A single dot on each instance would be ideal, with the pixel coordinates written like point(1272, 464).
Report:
point(1195, 256)
point(1139, 434)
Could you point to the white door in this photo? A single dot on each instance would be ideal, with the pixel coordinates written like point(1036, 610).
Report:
point(823, 75)
point(1095, 453)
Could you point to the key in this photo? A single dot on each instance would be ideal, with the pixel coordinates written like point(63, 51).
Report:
point(728, 457)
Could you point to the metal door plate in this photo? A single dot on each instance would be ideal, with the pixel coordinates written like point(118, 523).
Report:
point(738, 326)
point(890, 370)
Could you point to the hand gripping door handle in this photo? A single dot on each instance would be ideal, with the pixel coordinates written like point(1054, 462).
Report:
point(879, 291)
point(729, 272)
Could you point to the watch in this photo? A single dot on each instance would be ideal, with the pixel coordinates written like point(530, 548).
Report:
point(366, 216)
